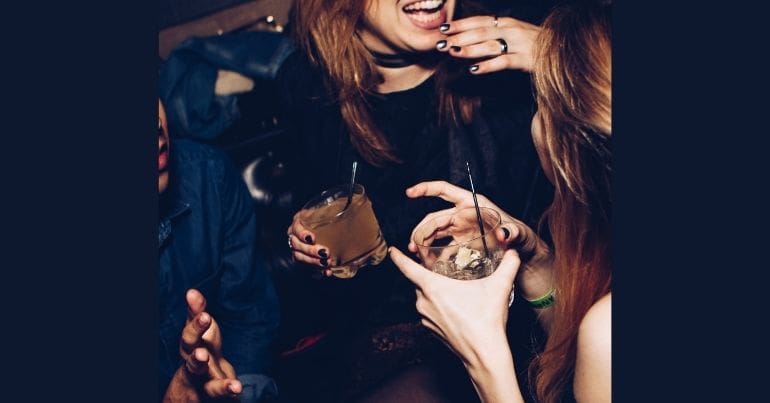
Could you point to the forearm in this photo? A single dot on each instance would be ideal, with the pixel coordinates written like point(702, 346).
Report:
point(493, 375)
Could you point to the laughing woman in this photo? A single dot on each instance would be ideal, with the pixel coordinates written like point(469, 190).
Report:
point(401, 87)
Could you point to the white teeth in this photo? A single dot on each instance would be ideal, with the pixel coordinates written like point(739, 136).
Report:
point(424, 5)
point(425, 17)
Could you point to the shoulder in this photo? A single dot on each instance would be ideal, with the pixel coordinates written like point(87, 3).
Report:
point(594, 352)
point(596, 324)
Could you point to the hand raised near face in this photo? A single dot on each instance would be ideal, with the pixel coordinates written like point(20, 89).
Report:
point(499, 43)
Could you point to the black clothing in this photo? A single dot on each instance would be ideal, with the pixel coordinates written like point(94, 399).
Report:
point(497, 143)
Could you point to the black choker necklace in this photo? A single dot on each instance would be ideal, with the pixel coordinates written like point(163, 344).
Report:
point(397, 60)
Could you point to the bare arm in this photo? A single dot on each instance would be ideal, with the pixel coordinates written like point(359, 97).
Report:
point(474, 329)
point(593, 382)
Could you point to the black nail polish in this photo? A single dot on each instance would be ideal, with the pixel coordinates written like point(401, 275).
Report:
point(443, 27)
point(441, 44)
point(322, 252)
point(324, 262)
point(474, 68)
point(506, 232)
point(308, 239)
point(455, 48)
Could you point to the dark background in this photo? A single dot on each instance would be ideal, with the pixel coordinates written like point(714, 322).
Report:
point(173, 12)
point(79, 204)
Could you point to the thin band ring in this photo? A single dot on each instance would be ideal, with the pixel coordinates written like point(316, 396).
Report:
point(290, 245)
point(495, 21)
point(503, 45)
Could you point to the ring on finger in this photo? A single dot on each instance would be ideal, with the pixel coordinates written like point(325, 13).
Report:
point(503, 45)
point(290, 245)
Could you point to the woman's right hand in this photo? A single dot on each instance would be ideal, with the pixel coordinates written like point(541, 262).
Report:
point(304, 249)
point(482, 38)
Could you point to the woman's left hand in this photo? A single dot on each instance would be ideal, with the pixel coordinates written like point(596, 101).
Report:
point(469, 315)
point(501, 42)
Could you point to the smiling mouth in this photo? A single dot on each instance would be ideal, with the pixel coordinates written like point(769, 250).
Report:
point(424, 11)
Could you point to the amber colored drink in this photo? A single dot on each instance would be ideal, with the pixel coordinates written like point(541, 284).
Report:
point(352, 234)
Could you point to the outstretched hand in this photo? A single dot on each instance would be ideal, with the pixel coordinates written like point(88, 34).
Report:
point(205, 373)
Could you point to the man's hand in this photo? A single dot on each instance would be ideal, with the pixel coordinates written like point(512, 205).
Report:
point(205, 374)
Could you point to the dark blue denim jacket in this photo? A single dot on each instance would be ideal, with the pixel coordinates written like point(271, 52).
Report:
point(207, 237)
point(187, 78)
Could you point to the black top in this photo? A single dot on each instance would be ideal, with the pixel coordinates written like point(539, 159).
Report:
point(497, 143)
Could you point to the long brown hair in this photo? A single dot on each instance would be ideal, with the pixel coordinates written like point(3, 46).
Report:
point(573, 84)
point(326, 31)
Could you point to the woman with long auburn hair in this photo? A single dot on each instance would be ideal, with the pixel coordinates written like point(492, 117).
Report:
point(569, 283)
point(410, 90)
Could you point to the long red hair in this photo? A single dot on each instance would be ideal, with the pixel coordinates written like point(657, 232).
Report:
point(573, 84)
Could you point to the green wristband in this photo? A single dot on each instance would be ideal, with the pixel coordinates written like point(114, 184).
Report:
point(542, 302)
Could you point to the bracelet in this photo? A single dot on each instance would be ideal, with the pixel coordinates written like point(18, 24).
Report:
point(542, 302)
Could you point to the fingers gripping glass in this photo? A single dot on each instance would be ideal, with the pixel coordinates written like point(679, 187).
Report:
point(345, 223)
point(452, 244)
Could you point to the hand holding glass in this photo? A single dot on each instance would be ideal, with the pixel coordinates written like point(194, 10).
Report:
point(351, 233)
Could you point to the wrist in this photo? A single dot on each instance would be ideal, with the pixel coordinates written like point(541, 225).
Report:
point(488, 350)
point(535, 281)
point(494, 376)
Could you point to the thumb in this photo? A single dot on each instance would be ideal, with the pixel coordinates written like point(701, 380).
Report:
point(412, 270)
point(509, 266)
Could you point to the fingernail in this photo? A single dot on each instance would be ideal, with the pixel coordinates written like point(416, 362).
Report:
point(324, 262)
point(203, 320)
point(474, 68)
point(308, 239)
point(322, 253)
point(506, 232)
point(441, 44)
point(231, 388)
point(443, 27)
point(455, 48)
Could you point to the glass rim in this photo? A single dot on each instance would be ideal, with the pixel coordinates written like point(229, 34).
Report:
point(498, 223)
point(325, 194)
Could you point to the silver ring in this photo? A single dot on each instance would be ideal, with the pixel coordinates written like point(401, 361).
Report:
point(503, 45)
point(495, 21)
point(290, 245)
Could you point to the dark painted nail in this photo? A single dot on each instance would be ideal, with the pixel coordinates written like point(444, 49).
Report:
point(506, 232)
point(441, 44)
point(324, 262)
point(455, 48)
point(474, 68)
point(443, 27)
point(308, 239)
point(322, 252)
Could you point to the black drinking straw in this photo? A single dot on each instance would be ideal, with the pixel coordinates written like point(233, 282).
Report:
point(352, 182)
point(478, 212)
